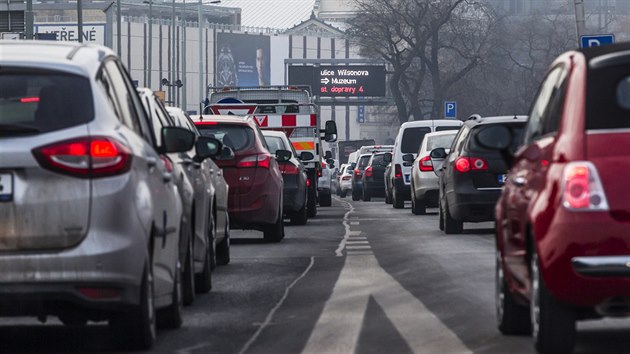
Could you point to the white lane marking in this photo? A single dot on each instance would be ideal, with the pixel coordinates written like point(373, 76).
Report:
point(365, 247)
point(342, 243)
point(353, 242)
point(354, 223)
point(354, 253)
point(193, 348)
point(338, 328)
point(354, 233)
point(275, 308)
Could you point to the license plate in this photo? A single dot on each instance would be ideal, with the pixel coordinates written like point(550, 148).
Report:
point(406, 178)
point(502, 179)
point(6, 187)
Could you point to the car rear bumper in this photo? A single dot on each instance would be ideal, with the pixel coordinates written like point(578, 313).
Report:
point(294, 198)
point(261, 211)
point(345, 185)
point(474, 205)
point(375, 187)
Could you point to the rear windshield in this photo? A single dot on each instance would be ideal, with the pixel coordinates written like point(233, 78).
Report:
point(237, 137)
point(363, 161)
point(412, 138)
point(446, 127)
point(440, 141)
point(608, 98)
point(275, 143)
point(40, 101)
point(378, 160)
point(517, 129)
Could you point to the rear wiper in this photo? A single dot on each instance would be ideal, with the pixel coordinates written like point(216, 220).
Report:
point(7, 129)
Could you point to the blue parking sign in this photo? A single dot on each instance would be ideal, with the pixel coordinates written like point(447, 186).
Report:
point(597, 40)
point(450, 109)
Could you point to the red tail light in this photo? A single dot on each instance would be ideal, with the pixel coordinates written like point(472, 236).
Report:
point(289, 169)
point(261, 160)
point(462, 164)
point(357, 172)
point(308, 182)
point(29, 99)
point(465, 164)
point(368, 172)
point(346, 178)
point(397, 171)
point(582, 188)
point(323, 165)
point(425, 164)
point(85, 157)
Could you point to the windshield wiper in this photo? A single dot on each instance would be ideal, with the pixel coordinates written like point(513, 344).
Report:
point(11, 129)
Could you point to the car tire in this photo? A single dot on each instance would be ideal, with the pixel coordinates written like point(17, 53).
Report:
point(171, 316)
point(136, 328)
point(366, 195)
point(325, 199)
point(343, 193)
point(311, 204)
point(188, 276)
point(418, 206)
point(552, 322)
point(512, 317)
point(274, 232)
point(355, 196)
point(451, 226)
point(441, 217)
point(300, 217)
point(398, 202)
point(223, 248)
point(203, 280)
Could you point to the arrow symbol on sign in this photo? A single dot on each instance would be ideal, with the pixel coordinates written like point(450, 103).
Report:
point(325, 81)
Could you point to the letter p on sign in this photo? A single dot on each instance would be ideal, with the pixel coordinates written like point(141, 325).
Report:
point(596, 40)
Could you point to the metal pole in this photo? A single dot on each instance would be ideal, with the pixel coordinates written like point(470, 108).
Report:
point(184, 102)
point(28, 20)
point(579, 19)
point(118, 29)
point(80, 19)
point(200, 35)
point(173, 57)
point(150, 44)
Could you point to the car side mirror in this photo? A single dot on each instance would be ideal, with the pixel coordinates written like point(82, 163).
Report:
point(387, 157)
point(439, 153)
point(207, 147)
point(306, 156)
point(283, 155)
point(330, 132)
point(438, 156)
point(176, 139)
point(408, 158)
point(226, 154)
point(328, 155)
point(331, 163)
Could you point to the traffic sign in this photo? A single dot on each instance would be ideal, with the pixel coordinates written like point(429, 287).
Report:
point(450, 109)
point(341, 80)
point(361, 114)
point(597, 40)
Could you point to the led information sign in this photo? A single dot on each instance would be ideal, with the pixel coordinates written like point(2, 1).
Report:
point(341, 80)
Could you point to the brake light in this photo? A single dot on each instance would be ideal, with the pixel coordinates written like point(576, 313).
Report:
point(465, 164)
point(357, 172)
point(425, 164)
point(29, 99)
point(478, 164)
point(346, 178)
point(88, 157)
point(368, 172)
point(308, 182)
point(289, 169)
point(582, 188)
point(261, 160)
point(323, 165)
point(397, 171)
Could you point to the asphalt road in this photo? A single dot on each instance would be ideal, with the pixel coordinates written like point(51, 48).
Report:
point(358, 278)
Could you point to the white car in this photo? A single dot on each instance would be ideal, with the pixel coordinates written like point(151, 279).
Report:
point(344, 180)
point(424, 181)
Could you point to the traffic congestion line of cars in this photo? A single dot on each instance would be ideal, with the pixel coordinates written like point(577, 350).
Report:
point(555, 184)
point(117, 208)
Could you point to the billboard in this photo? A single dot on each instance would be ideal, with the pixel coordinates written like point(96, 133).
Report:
point(341, 80)
point(92, 32)
point(242, 60)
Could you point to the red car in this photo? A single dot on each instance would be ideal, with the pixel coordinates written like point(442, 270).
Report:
point(251, 171)
point(563, 219)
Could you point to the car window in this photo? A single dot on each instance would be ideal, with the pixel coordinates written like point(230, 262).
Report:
point(363, 161)
point(440, 141)
point(442, 128)
point(43, 100)
point(126, 110)
point(378, 160)
point(608, 98)
point(275, 143)
point(458, 143)
point(412, 138)
point(517, 129)
point(237, 137)
point(545, 112)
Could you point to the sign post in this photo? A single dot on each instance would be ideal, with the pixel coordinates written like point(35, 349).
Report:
point(450, 109)
point(596, 40)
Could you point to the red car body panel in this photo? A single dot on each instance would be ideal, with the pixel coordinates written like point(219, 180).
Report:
point(533, 215)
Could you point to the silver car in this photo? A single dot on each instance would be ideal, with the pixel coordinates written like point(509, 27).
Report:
point(424, 182)
point(89, 212)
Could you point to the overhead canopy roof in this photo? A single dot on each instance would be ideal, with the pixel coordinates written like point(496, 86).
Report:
point(280, 14)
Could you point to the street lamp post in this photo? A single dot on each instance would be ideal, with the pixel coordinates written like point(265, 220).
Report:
point(173, 56)
point(183, 59)
point(80, 19)
point(118, 28)
point(150, 44)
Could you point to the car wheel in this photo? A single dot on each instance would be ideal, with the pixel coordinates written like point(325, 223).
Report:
point(223, 248)
point(325, 199)
point(451, 226)
point(311, 204)
point(398, 202)
point(203, 280)
point(300, 218)
point(512, 318)
point(136, 328)
point(343, 193)
point(355, 196)
point(189, 275)
point(171, 316)
point(366, 195)
point(418, 206)
point(275, 232)
point(552, 323)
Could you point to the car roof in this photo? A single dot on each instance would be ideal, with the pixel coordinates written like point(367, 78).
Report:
point(478, 120)
point(364, 155)
point(274, 133)
point(243, 120)
point(443, 132)
point(434, 122)
point(80, 59)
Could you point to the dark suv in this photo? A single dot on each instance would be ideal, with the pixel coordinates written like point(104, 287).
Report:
point(374, 177)
point(357, 176)
point(471, 177)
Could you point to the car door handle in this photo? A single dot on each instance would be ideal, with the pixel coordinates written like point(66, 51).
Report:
point(151, 162)
point(519, 181)
point(167, 177)
point(189, 162)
